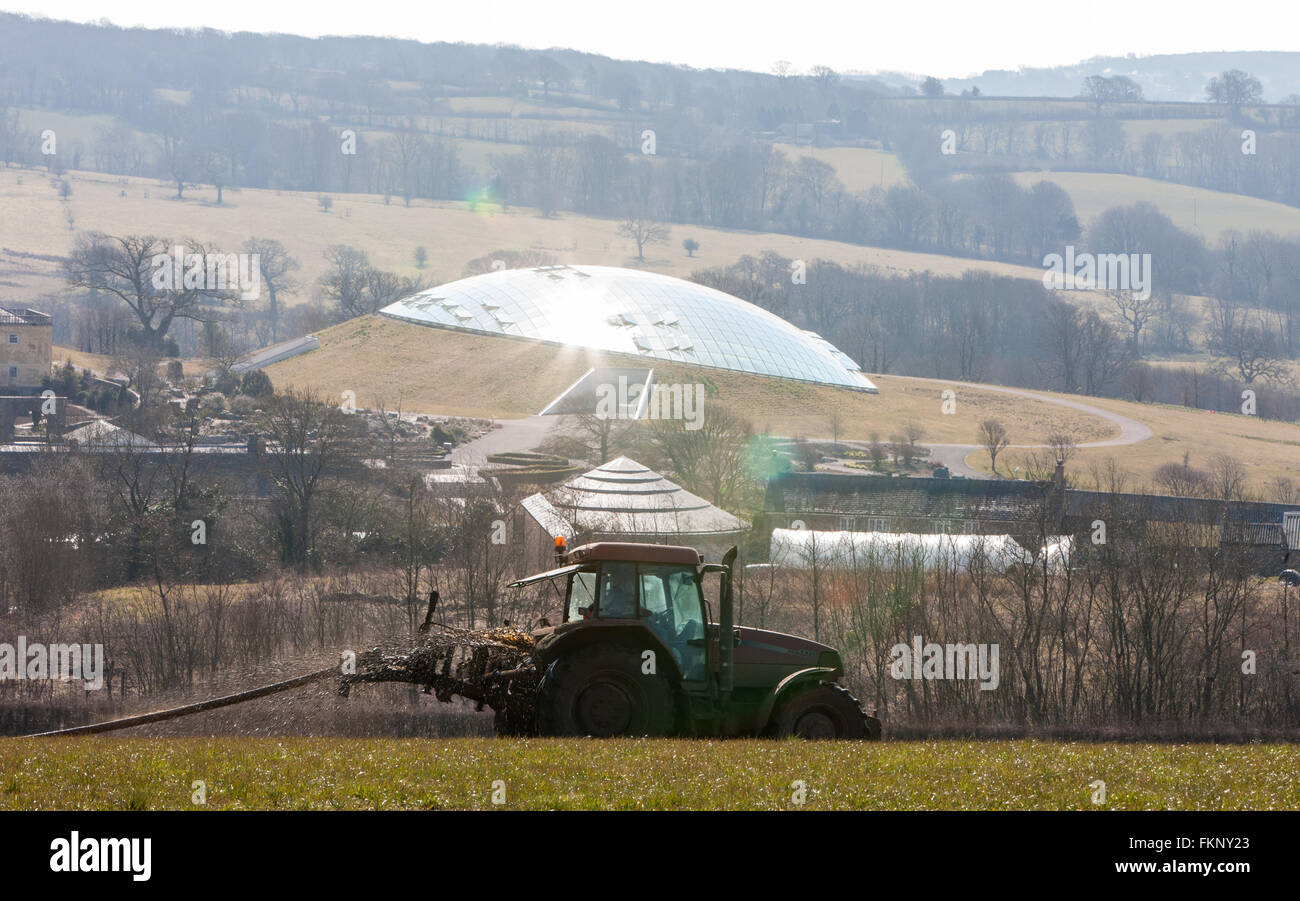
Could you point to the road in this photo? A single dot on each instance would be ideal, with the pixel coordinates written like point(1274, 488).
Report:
point(514, 435)
point(954, 456)
point(523, 434)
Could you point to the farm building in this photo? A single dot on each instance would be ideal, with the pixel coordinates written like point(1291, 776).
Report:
point(622, 500)
point(26, 350)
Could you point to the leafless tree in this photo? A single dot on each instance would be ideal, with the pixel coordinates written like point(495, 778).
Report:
point(277, 268)
point(993, 436)
point(125, 268)
point(644, 232)
point(1063, 446)
point(307, 443)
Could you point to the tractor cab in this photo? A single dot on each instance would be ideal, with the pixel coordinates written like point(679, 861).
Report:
point(614, 584)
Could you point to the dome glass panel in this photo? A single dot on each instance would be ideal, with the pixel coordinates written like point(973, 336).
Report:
point(626, 311)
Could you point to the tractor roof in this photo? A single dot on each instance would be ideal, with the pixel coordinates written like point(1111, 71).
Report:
point(635, 553)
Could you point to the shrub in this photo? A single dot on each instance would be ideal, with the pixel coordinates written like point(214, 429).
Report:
point(212, 405)
point(256, 383)
point(244, 405)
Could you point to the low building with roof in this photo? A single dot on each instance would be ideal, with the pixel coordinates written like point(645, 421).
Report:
point(102, 434)
point(26, 350)
point(622, 500)
point(1026, 511)
point(865, 503)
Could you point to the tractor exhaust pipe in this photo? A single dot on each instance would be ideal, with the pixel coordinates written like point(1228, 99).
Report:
point(727, 629)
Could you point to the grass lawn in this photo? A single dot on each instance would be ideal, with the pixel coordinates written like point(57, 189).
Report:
point(345, 774)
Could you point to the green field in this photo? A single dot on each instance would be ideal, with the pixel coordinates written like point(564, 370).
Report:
point(391, 774)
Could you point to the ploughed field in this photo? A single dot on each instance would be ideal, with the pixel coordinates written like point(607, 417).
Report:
point(471, 773)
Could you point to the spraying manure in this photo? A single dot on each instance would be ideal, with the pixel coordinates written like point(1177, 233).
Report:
point(491, 667)
point(635, 652)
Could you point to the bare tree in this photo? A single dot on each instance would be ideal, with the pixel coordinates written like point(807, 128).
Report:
point(644, 232)
point(710, 460)
point(126, 267)
point(307, 442)
point(835, 422)
point(993, 435)
point(276, 267)
point(1182, 480)
point(1234, 88)
point(599, 434)
point(1253, 349)
point(1136, 311)
point(1227, 479)
point(1063, 446)
point(356, 288)
point(913, 433)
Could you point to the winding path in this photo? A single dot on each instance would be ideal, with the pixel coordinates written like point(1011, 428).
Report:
point(954, 456)
point(520, 434)
point(513, 435)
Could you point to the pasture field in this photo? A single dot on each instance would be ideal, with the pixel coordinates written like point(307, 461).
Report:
point(39, 227)
point(859, 168)
point(1198, 210)
point(649, 774)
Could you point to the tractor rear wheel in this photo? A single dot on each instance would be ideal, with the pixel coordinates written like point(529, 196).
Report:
point(826, 711)
point(599, 690)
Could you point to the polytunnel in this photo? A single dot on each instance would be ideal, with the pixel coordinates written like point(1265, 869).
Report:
point(804, 548)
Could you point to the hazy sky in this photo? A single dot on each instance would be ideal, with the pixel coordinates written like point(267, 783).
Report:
point(947, 38)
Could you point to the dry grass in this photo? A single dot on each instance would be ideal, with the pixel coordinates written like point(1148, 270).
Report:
point(859, 168)
point(103, 364)
point(451, 373)
point(1267, 449)
point(100, 364)
point(439, 371)
point(1198, 210)
point(35, 223)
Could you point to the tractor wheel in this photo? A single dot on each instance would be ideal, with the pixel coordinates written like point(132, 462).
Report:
point(826, 711)
point(600, 690)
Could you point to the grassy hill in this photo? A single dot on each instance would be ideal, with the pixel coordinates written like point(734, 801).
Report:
point(438, 371)
point(1198, 210)
point(39, 224)
point(859, 168)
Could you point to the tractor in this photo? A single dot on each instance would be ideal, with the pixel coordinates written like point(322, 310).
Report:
point(638, 653)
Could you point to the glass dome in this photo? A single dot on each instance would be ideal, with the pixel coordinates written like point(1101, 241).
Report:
point(627, 311)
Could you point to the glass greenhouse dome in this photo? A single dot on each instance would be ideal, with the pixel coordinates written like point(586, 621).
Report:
point(627, 311)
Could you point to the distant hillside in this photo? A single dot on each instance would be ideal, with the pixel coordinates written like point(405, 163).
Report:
point(1176, 76)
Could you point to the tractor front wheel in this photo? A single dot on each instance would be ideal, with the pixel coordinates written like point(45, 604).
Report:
point(826, 711)
point(600, 690)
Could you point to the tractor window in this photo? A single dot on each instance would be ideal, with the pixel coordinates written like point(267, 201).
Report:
point(618, 591)
point(671, 606)
point(582, 596)
point(654, 593)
